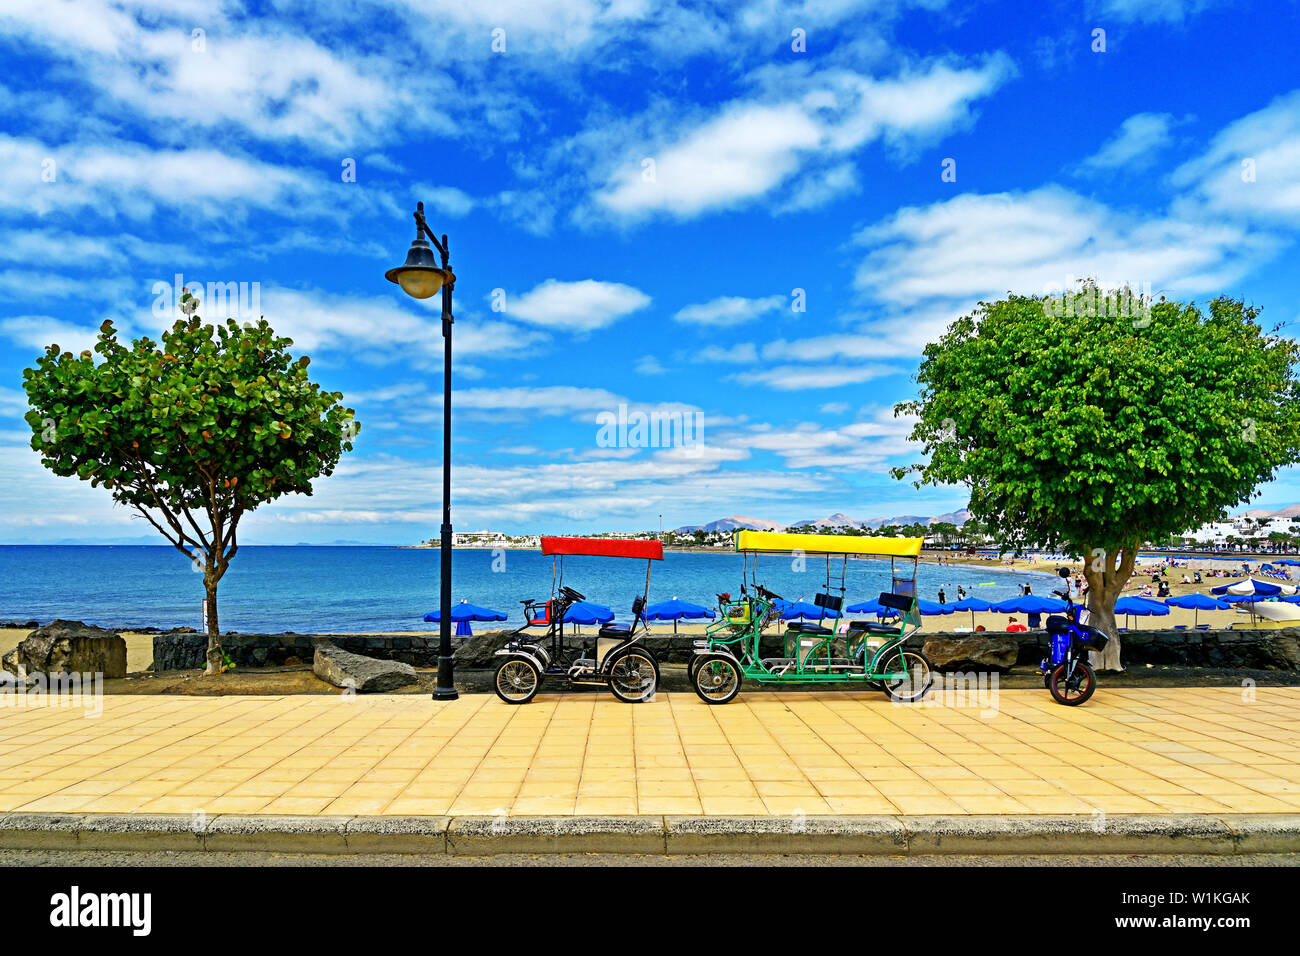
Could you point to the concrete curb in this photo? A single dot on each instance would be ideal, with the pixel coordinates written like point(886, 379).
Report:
point(1150, 834)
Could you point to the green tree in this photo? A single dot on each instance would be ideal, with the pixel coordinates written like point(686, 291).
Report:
point(193, 434)
point(946, 531)
point(1094, 432)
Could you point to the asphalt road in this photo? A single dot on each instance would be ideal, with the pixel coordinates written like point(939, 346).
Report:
point(75, 858)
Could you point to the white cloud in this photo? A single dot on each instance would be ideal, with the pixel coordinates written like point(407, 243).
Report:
point(790, 378)
point(447, 200)
point(544, 400)
point(267, 78)
point(1216, 183)
point(134, 180)
point(576, 306)
point(753, 146)
point(742, 353)
point(976, 245)
point(650, 365)
point(729, 310)
point(38, 331)
point(1135, 145)
point(1152, 11)
point(378, 330)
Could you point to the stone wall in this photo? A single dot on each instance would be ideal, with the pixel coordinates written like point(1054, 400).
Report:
point(1253, 649)
point(175, 651)
point(1261, 649)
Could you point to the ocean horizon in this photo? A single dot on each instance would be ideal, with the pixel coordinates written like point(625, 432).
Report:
point(321, 588)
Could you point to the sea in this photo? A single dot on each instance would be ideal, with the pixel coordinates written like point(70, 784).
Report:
point(383, 589)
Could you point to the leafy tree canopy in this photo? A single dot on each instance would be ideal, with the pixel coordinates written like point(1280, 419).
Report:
point(1096, 431)
point(193, 433)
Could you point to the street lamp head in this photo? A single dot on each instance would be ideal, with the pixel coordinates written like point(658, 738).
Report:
point(419, 276)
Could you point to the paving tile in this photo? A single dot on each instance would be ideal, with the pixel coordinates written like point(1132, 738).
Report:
point(1128, 751)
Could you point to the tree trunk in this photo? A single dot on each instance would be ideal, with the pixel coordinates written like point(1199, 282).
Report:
point(215, 655)
point(1107, 575)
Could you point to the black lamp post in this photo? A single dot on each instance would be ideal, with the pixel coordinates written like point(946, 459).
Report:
point(420, 277)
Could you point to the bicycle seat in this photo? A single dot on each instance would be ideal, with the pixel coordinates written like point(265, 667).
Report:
point(872, 628)
point(614, 630)
point(804, 627)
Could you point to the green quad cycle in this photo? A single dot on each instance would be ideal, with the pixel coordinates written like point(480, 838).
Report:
point(865, 653)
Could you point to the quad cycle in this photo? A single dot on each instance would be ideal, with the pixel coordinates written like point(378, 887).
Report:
point(1067, 675)
point(731, 650)
point(616, 659)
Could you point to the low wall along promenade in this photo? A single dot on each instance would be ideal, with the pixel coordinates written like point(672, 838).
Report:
point(1242, 648)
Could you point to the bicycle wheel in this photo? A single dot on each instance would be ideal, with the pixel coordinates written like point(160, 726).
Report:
point(692, 665)
point(717, 679)
point(634, 676)
point(517, 680)
point(1077, 689)
point(917, 683)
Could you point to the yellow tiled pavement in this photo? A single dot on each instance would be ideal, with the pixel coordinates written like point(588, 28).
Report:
point(1144, 750)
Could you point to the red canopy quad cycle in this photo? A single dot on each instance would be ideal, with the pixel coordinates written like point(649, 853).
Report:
point(617, 658)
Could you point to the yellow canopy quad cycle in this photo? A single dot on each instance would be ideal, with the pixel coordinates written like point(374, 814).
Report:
point(827, 651)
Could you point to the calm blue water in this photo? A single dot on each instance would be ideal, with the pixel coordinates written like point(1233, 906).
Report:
point(309, 589)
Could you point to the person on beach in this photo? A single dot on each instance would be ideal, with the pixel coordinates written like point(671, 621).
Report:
point(943, 598)
point(961, 593)
point(1016, 626)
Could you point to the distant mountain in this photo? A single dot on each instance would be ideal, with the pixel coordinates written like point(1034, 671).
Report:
point(1291, 512)
point(837, 520)
point(733, 523)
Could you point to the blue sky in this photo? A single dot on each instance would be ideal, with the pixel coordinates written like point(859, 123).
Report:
point(636, 194)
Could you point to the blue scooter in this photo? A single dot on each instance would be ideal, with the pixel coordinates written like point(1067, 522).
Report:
point(1066, 671)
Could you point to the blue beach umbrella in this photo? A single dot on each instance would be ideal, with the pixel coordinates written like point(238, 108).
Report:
point(972, 604)
point(463, 613)
point(675, 610)
point(585, 612)
point(1250, 586)
point(933, 607)
point(1140, 607)
point(1028, 604)
point(866, 607)
point(1199, 603)
point(799, 610)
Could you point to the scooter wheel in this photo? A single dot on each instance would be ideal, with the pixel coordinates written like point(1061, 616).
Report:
point(1076, 691)
point(517, 680)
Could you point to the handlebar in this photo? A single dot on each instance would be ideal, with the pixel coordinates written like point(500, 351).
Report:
point(772, 595)
point(571, 594)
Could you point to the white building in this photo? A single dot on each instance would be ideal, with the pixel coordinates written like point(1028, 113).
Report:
point(467, 538)
point(1243, 529)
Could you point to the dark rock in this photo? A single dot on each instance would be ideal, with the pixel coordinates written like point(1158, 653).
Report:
point(365, 675)
point(982, 652)
point(65, 647)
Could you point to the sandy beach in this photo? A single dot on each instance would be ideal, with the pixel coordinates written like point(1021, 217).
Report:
point(140, 646)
